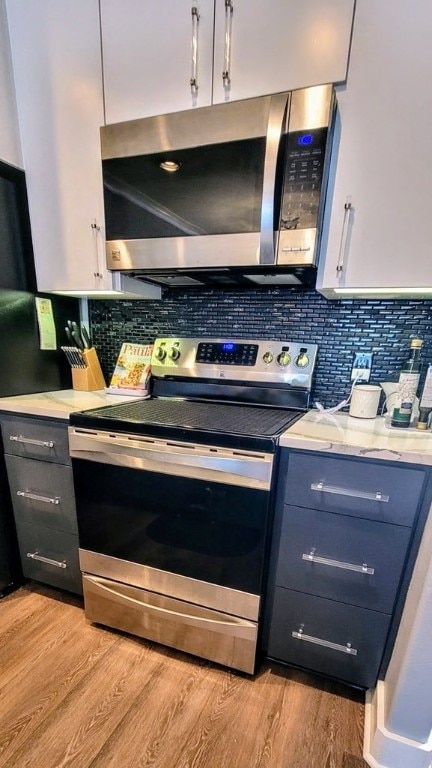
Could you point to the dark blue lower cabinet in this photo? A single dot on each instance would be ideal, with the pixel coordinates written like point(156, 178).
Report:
point(329, 637)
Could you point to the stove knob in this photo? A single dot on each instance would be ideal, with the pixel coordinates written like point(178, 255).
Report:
point(302, 360)
point(283, 359)
point(174, 353)
point(268, 358)
point(160, 353)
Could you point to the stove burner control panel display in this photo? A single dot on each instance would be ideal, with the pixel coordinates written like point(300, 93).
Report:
point(227, 353)
point(240, 360)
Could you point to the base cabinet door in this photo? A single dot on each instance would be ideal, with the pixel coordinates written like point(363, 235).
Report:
point(328, 637)
point(50, 556)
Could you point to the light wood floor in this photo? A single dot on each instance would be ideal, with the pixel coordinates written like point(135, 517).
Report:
point(73, 694)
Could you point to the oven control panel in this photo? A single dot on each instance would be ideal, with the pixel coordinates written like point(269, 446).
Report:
point(235, 359)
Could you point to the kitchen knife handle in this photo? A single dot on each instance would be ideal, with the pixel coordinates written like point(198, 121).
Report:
point(76, 335)
point(85, 337)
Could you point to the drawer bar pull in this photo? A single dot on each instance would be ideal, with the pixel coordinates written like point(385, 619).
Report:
point(36, 497)
point(378, 496)
point(47, 560)
point(30, 441)
point(318, 641)
point(313, 558)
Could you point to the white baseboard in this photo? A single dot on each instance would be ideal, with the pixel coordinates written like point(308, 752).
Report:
point(383, 748)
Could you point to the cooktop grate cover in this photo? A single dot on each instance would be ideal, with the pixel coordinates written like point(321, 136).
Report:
point(215, 417)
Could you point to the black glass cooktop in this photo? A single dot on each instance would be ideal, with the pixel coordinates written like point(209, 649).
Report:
point(229, 424)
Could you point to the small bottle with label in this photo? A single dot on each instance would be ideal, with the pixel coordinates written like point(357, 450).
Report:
point(426, 401)
point(409, 378)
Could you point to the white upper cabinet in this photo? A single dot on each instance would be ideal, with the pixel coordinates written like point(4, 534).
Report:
point(10, 147)
point(379, 233)
point(58, 80)
point(232, 49)
point(151, 52)
point(279, 45)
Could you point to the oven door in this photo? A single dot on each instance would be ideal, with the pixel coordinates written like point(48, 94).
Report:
point(175, 535)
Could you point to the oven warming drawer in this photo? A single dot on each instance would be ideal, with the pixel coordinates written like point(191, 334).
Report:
point(200, 631)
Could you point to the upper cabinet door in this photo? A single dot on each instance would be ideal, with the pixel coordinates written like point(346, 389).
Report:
point(58, 82)
point(379, 229)
point(151, 53)
point(279, 45)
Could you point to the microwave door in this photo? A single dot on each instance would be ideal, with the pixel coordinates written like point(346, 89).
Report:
point(279, 109)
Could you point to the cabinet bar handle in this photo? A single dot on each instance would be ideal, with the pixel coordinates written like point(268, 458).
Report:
point(296, 249)
point(377, 496)
point(194, 70)
point(47, 560)
point(226, 74)
point(318, 641)
point(29, 441)
point(98, 275)
point(313, 558)
point(340, 264)
point(36, 497)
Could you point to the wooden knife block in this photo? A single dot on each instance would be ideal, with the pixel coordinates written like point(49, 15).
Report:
point(90, 378)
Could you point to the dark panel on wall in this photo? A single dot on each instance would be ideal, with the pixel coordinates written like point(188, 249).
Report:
point(17, 270)
point(25, 368)
point(339, 327)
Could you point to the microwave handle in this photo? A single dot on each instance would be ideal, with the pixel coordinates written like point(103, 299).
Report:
point(278, 108)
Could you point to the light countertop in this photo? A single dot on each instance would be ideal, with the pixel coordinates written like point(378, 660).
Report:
point(58, 405)
point(369, 438)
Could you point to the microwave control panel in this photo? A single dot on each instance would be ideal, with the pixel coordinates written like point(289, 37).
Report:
point(304, 170)
point(235, 359)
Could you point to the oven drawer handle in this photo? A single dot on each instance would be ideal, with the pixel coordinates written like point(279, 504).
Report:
point(323, 488)
point(239, 627)
point(46, 560)
point(299, 635)
point(314, 558)
point(37, 497)
point(31, 441)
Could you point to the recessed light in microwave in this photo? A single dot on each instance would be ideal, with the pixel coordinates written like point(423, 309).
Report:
point(169, 165)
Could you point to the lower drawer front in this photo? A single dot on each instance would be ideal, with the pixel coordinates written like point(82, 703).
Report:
point(50, 556)
point(331, 638)
point(203, 632)
point(42, 493)
point(35, 438)
point(343, 558)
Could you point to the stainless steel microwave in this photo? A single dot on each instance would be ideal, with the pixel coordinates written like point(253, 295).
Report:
point(231, 194)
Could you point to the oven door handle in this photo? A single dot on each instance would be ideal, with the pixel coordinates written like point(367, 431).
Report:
point(217, 464)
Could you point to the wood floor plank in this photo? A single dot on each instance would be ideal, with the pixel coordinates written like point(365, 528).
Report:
point(74, 695)
point(40, 687)
point(171, 708)
point(75, 732)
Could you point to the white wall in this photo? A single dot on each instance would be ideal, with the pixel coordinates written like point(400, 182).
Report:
point(10, 146)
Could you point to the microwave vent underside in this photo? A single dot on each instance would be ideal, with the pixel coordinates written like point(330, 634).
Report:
point(230, 278)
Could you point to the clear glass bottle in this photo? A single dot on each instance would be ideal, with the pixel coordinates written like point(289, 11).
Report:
point(426, 401)
point(409, 378)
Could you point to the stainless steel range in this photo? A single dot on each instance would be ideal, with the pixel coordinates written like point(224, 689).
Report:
point(175, 493)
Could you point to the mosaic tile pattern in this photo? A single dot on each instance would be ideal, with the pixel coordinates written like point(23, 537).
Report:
point(340, 328)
